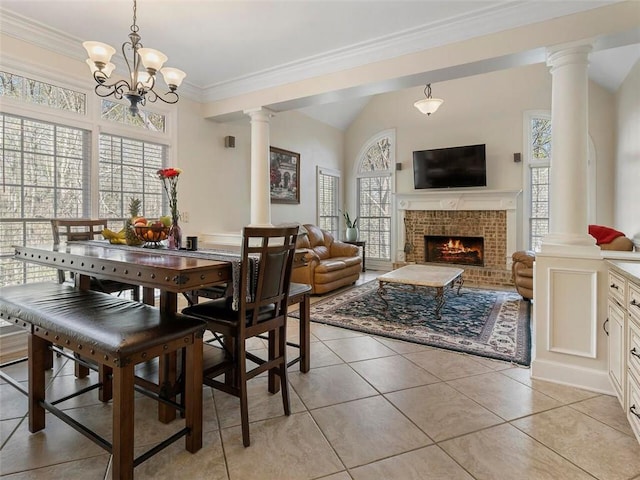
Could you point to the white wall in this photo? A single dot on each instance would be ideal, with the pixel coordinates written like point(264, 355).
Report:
point(627, 172)
point(486, 109)
point(318, 145)
point(215, 187)
point(480, 109)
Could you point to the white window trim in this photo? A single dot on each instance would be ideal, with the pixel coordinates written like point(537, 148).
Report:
point(526, 170)
point(333, 173)
point(353, 197)
point(91, 120)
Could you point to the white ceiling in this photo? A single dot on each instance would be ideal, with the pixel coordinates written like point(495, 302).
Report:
point(231, 47)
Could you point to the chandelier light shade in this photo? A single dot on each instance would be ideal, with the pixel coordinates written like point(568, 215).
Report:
point(428, 105)
point(143, 64)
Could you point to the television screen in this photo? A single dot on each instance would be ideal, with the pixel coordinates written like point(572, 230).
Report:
point(450, 167)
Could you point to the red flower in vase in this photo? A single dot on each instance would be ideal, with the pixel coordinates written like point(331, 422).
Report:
point(169, 178)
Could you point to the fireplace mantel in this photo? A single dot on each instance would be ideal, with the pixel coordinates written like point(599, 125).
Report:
point(459, 200)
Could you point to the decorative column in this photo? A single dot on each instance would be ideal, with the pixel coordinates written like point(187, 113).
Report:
point(569, 273)
point(569, 149)
point(260, 194)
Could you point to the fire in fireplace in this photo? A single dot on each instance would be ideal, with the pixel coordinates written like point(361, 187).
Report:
point(460, 250)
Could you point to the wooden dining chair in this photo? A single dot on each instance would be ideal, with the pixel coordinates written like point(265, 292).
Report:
point(71, 230)
point(262, 311)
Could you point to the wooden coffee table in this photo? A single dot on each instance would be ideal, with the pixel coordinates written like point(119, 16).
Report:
point(423, 276)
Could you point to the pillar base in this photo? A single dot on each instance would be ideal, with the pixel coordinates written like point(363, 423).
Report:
point(261, 225)
point(581, 244)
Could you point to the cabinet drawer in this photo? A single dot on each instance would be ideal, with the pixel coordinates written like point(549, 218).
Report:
point(634, 301)
point(617, 287)
point(633, 411)
point(633, 357)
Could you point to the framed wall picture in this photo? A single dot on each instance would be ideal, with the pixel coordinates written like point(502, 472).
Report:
point(284, 176)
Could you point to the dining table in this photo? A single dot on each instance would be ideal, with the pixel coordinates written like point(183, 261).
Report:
point(170, 274)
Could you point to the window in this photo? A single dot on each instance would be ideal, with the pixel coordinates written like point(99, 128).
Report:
point(46, 167)
point(128, 170)
point(538, 162)
point(374, 188)
point(44, 174)
point(119, 113)
point(329, 200)
point(41, 93)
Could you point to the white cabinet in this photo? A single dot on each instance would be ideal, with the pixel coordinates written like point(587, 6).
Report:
point(633, 358)
point(623, 329)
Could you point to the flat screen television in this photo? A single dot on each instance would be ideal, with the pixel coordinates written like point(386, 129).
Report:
point(451, 167)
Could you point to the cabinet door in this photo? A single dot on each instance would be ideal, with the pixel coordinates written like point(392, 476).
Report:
point(616, 349)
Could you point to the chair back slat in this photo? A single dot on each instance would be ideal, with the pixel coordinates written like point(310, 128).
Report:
point(76, 229)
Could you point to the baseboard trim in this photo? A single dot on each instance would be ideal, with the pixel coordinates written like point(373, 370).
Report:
point(572, 375)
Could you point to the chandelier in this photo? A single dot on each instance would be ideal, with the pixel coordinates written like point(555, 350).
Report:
point(141, 82)
point(428, 105)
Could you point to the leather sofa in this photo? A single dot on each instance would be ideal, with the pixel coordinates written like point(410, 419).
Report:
point(522, 272)
point(328, 264)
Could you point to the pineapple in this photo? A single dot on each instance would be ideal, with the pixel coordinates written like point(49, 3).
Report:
point(130, 233)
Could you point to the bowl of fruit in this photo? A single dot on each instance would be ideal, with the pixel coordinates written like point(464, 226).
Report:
point(151, 232)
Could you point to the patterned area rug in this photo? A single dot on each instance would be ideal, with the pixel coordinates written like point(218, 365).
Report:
point(489, 323)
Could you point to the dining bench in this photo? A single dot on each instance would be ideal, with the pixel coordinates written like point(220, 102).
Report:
point(116, 334)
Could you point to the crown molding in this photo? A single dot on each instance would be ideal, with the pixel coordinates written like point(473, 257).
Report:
point(48, 38)
point(492, 19)
point(431, 35)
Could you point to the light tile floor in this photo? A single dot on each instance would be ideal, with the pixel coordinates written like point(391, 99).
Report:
point(371, 408)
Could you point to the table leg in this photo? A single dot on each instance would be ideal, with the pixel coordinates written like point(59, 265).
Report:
point(149, 295)
point(381, 292)
point(439, 301)
point(305, 334)
point(168, 364)
point(37, 348)
point(83, 282)
point(459, 281)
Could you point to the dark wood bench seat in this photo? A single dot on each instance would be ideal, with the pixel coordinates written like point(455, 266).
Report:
point(116, 334)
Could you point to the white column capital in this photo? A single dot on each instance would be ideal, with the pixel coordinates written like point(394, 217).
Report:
point(259, 114)
point(568, 54)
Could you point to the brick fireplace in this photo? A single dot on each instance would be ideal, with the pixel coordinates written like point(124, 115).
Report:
point(486, 220)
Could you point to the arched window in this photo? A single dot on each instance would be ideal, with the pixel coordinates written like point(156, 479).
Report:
point(538, 161)
point(374, 182)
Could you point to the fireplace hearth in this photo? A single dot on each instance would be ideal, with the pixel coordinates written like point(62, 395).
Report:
point(454, 249)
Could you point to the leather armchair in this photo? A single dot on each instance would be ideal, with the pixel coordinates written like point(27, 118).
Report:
point(329, 264)
point(624, 244)
point(522, 266)
point(522, 272)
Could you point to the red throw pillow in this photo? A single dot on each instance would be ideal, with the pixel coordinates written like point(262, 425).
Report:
point(604, 234)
